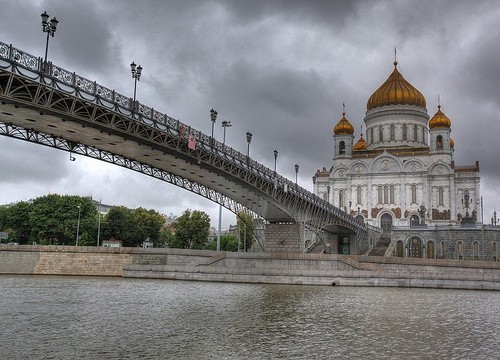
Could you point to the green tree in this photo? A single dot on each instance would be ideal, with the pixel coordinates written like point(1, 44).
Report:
point(132, 227)
point(227, 243)
point(17, 220)
point(245, 226)
point(56, 219)
point(166, 238)
point(121, 225)
point(191, 230)
point(148, 225)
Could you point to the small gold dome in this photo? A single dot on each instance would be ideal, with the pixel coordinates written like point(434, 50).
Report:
point(452, 143)
point(343, 127)
point(396, 90)
point(360, 144)
point(439, 120)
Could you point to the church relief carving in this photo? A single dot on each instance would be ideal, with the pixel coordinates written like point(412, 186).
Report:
point(441, 215)
point(396, 212)
point(375, 212)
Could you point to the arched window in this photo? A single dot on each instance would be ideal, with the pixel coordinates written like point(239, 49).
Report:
point(494, 251)
point(414, 194)
point(380, 134)
point(475, 250)
point(430, 250)
point(341, 198)
point(415, 133)
point(341, 147)
point(460, 250)
point(386, 194)
point(380, 195)
point(443, 249)
point(424, 138)
point(405, 132)
point(371, 135)
point(392, 133)
point(399, 249)
point(358, 195)
point(440, 197)
point(439, 142)
point(391, 194)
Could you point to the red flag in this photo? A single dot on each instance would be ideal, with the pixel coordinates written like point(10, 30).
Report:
point(191, 142)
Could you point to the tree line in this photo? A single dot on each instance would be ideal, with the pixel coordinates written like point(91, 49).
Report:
point(57, 219)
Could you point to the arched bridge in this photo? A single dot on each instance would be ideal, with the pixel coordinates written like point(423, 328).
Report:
point(48, 105)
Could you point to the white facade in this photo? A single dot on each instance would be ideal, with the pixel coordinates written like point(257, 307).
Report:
point(404, 169)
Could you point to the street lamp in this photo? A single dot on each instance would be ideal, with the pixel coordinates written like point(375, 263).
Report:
point(136, 75)
point(328, 194)
point(296, 173)
point(49, 28)
point(249, 140)
point(225, 124)
point(213, 118)
point(78, 226)
point(275, 159)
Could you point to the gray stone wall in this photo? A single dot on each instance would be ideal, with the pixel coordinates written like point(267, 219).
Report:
point(283, 238)
point(452, 243)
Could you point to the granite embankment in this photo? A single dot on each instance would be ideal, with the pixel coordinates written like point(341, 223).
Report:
point(273, 268)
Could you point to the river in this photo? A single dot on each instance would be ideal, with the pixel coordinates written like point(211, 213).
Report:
point(50, 317)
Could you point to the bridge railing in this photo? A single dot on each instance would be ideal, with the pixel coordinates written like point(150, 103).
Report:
point(152, 117)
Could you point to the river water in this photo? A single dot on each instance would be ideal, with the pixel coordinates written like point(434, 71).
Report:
point(44, 317)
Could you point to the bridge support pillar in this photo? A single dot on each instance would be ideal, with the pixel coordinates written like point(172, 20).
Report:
point(283, 238)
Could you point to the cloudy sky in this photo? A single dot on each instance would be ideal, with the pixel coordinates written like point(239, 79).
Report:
point(280, 69)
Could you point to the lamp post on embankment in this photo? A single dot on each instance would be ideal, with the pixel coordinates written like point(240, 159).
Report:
point(225, 124)
point(78, 226)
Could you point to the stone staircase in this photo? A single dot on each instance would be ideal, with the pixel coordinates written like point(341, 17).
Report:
point(381, 246)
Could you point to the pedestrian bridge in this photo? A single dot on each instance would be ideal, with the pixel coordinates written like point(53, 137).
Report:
point(48, 105)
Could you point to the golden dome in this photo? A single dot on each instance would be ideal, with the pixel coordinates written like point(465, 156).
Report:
point(439, 120)
point(396, 90)
point(343, 127)
point(452, 143)
point(360, 144)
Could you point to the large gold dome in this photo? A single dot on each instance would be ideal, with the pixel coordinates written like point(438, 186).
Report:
point(396, 90)
point(343, 127)
point(439, 120)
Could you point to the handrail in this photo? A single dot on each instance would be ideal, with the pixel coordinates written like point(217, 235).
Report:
point(147, 115)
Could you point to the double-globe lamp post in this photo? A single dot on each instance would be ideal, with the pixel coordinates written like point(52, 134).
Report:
point(136, 75)
point(50, 28)
point(225, 124)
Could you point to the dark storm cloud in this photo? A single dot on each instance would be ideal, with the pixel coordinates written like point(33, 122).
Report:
point(280, 69)
point(311, 12)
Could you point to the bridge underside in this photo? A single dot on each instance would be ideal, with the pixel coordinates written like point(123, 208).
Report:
point(79, 137)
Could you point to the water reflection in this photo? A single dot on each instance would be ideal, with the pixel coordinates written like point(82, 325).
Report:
point(108, 318)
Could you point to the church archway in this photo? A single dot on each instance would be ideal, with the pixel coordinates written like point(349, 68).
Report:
point(431, 253)
point(415, 247)
point(386, 222)
point(344, 245)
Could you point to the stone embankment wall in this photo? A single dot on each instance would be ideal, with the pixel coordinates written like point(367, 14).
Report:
point(273, 268)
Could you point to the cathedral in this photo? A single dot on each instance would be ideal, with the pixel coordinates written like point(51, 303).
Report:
point(401, 175)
